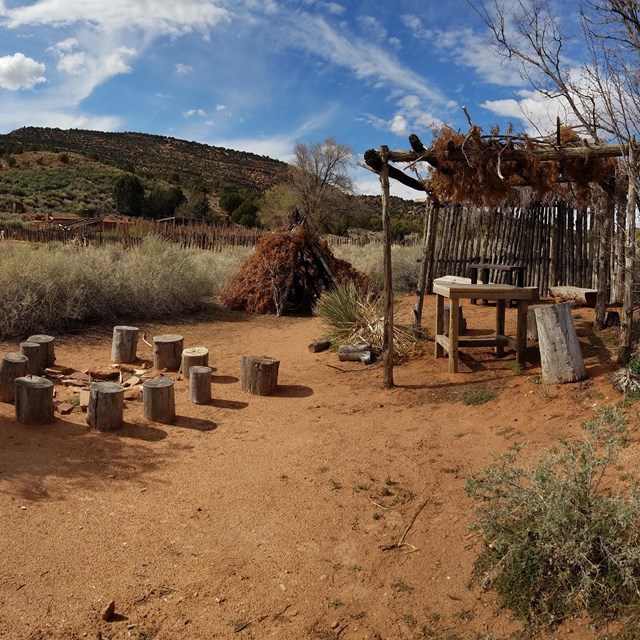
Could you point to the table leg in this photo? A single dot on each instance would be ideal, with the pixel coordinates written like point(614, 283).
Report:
point(521, 331)
point(454, 315)
point(473, 274)
point(439, 324)
point(485, 280)
point(500, 307)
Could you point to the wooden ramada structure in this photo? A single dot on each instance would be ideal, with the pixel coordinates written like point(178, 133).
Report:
point(562, 207)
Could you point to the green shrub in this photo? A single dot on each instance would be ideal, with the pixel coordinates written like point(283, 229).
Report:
point(555, 542)
point(478, 396)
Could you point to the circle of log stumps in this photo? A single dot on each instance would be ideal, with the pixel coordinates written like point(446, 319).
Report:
point(106, 404)
point(194, 357)
point(158, 400)
point(47, 351)
point(167, 352)
point(34, 400)
point(14, 365)
point(124, 344)
point(200, 384)
point(32, 351)
point(259, 375)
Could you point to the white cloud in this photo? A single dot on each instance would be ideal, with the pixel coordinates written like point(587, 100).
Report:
point(333, 7)
point(396, 43)
point(157, 17)
point(372, 27)
point(399, 125)
point(183, 69)
point(194, 112)
point(221, 107)
point(537, 112)
point(20, 72)
point(367, 184)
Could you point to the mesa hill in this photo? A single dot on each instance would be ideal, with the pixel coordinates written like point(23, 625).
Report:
point(159, 156)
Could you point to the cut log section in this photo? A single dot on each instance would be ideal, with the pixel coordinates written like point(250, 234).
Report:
point(194, 357)
point(47, 350)
point(355, 353)
point(319, 345)
point(106, 403)
point(560, 353)
point(586, 297)
point(200, 384)
point(532, 327)
point(124, 344)
point(32, 351)
point(167, 352)
point(34, 400)
point(14, 365)
point(259, 375)
point(158, 400)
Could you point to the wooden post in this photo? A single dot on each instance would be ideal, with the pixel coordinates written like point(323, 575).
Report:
point(124, 344)
point(259, 375)
point(14, 365)
point(200, 384)
point(158, 400)
point(604, 218)
point(387, 340)
point(625, 349)
point(559, 347)
point(47, 352)
point(194, 357)
point(34, 400)
point(167, 352)
point(106, 402)
point(424, 268)
point(32, 351)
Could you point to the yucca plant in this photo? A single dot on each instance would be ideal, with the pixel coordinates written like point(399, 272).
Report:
point(355, 316)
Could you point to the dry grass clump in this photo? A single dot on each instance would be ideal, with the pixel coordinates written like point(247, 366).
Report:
point(405, 267)
point(286, 272)
point(355, 316)
point(55, 287)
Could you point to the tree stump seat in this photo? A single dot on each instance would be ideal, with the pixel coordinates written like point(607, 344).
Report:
point(259, 375)
point(32, 351)
point(200, 384)
point(124, 344)
point(14, 365)
point(158, 400)
point(34, 400)
point(193, 357)
point(47, 349)
point(106, 404)
point(167, 352)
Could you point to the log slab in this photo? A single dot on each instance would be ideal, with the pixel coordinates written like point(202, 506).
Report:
point(34, 400)
point(259, 375)
point(158, 400)
point(13, 365)
point(105, 408)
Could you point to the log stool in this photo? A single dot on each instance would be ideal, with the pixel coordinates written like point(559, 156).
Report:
point(14, 365)
point(192, 357)
point(158, 400)
point(167, 352)
point(34, 400)
point(200, 384)
point(32, 351)
point(124, 344)
point(259, 375)
point(560, 353)
point(106, 402)
point(47, 353)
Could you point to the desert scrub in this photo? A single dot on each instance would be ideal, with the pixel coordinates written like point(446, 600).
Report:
point(56, 287)
point(555, 541)
point(352, 315)
point(368, 260)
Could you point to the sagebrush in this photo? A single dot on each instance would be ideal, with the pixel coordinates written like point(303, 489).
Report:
point(54, 287)
point(557, 540)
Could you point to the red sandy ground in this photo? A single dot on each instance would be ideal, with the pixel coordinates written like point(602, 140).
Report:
point(267, 517)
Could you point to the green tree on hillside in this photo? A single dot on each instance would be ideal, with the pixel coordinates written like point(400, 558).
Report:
point(128, 193)
point(162, 202)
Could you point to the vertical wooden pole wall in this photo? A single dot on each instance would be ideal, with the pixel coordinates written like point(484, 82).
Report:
point(626, 324)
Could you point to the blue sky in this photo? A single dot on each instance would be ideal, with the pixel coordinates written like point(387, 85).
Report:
point(257, 75)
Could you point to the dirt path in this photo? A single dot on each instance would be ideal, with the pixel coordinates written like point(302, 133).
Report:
point(267, 517)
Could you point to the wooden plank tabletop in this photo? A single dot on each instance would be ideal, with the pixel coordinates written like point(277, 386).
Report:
point(485, 291)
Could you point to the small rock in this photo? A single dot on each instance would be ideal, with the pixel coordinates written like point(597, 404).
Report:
point(336, 624)
point(103, 373)
point(57, 370)
point(81, 377)
point(132, 394)
point(84, 399)
point(109, 611)
point(131, 381)
point(65, 408)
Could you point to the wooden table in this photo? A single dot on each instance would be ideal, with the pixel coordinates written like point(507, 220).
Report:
point(498, 292)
